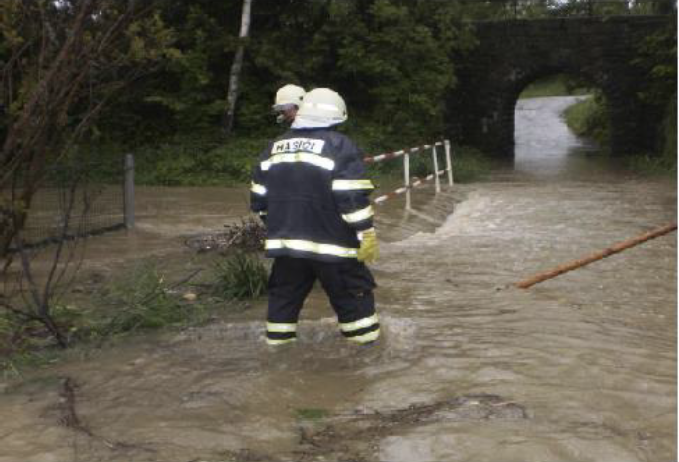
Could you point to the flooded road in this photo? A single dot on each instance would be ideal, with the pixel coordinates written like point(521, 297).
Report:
point(579, 368)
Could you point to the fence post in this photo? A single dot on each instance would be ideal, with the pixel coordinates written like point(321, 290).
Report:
point(449, 162)
point(436, 168)
point(128, 191)
point(406, 177)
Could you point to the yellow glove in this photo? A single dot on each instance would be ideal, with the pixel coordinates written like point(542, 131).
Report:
point(369, 250)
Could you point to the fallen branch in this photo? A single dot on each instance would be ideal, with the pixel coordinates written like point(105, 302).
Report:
point(248, 235)
point(619, 247)
point(69, 415)
point(69, 418)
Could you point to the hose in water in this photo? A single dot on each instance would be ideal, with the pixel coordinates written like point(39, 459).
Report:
point(619, 247)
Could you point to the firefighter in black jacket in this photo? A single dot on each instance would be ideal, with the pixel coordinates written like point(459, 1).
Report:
point(311, 190)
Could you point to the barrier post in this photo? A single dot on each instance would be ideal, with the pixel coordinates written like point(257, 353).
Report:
point(436, 168)
point(406, 177)
point(449, 162)
point(128, 192)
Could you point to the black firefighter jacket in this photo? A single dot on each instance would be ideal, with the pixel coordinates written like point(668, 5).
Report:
point(310, 188)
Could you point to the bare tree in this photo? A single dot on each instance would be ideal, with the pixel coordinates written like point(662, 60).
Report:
point(32, 295)
point(236, 67)
point(61, 64)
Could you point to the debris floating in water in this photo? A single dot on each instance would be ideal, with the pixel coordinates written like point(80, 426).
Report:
point(248, 235)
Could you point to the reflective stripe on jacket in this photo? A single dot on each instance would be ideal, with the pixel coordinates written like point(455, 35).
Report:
point(311, 184)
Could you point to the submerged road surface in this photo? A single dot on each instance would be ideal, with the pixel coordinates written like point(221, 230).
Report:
point(579, 368)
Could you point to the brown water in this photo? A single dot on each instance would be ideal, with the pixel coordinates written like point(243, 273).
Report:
point(579, 368)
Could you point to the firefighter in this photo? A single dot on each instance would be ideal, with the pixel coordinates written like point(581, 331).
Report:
point(288, 99)
point(310, 187)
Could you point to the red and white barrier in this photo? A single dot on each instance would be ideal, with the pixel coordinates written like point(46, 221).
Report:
point(410, 183)
point(395, 154)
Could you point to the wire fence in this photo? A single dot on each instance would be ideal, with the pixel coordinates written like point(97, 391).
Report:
point(73, 202)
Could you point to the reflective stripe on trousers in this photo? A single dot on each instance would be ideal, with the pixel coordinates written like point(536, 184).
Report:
point(278, 333)
point(363, 330)
point(348, 284)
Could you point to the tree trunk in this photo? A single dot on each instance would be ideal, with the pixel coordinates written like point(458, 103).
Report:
point(236, 66)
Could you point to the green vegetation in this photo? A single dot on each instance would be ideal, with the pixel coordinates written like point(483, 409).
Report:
point(665, 162)
point(589, 118)
point(199, 161)
point(211, 161)
point(23, 345)
point(470, 164)
point(240, 276)
point(657, 60)
point(141, 299)
point(393, 61)
point(393, 79)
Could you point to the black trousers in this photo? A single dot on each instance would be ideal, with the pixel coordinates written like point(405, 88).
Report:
point(349, 286)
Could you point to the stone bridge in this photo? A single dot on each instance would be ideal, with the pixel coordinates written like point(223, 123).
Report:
point(512, 54)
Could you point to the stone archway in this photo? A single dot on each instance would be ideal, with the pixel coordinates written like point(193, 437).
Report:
point(512, 54)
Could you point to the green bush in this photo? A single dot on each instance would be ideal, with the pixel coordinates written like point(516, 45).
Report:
point(240, 276)
point(205, 161)
point(470, 164)
point(589, 118)
point(665, 161)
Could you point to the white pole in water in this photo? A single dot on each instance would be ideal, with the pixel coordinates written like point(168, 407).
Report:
point(436, 168)
point(406, 177)
point(449, 162)
point(128, 191)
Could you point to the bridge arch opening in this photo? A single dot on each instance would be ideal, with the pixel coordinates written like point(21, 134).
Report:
point(512, 54)
point(540, 104)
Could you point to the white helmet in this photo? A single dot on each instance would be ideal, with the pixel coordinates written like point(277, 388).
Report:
point(289, 94)
point(324, 106)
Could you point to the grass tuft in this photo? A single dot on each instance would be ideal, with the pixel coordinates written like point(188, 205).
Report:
point(143, 300)
point(240, 276)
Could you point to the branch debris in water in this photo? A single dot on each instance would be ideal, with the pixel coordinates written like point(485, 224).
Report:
point(248, 235)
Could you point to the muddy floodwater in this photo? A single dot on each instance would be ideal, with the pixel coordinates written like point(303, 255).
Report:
point(580, 368)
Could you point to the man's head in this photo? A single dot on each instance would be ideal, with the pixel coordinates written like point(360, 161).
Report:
point(321, 107)
point(288, 100)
